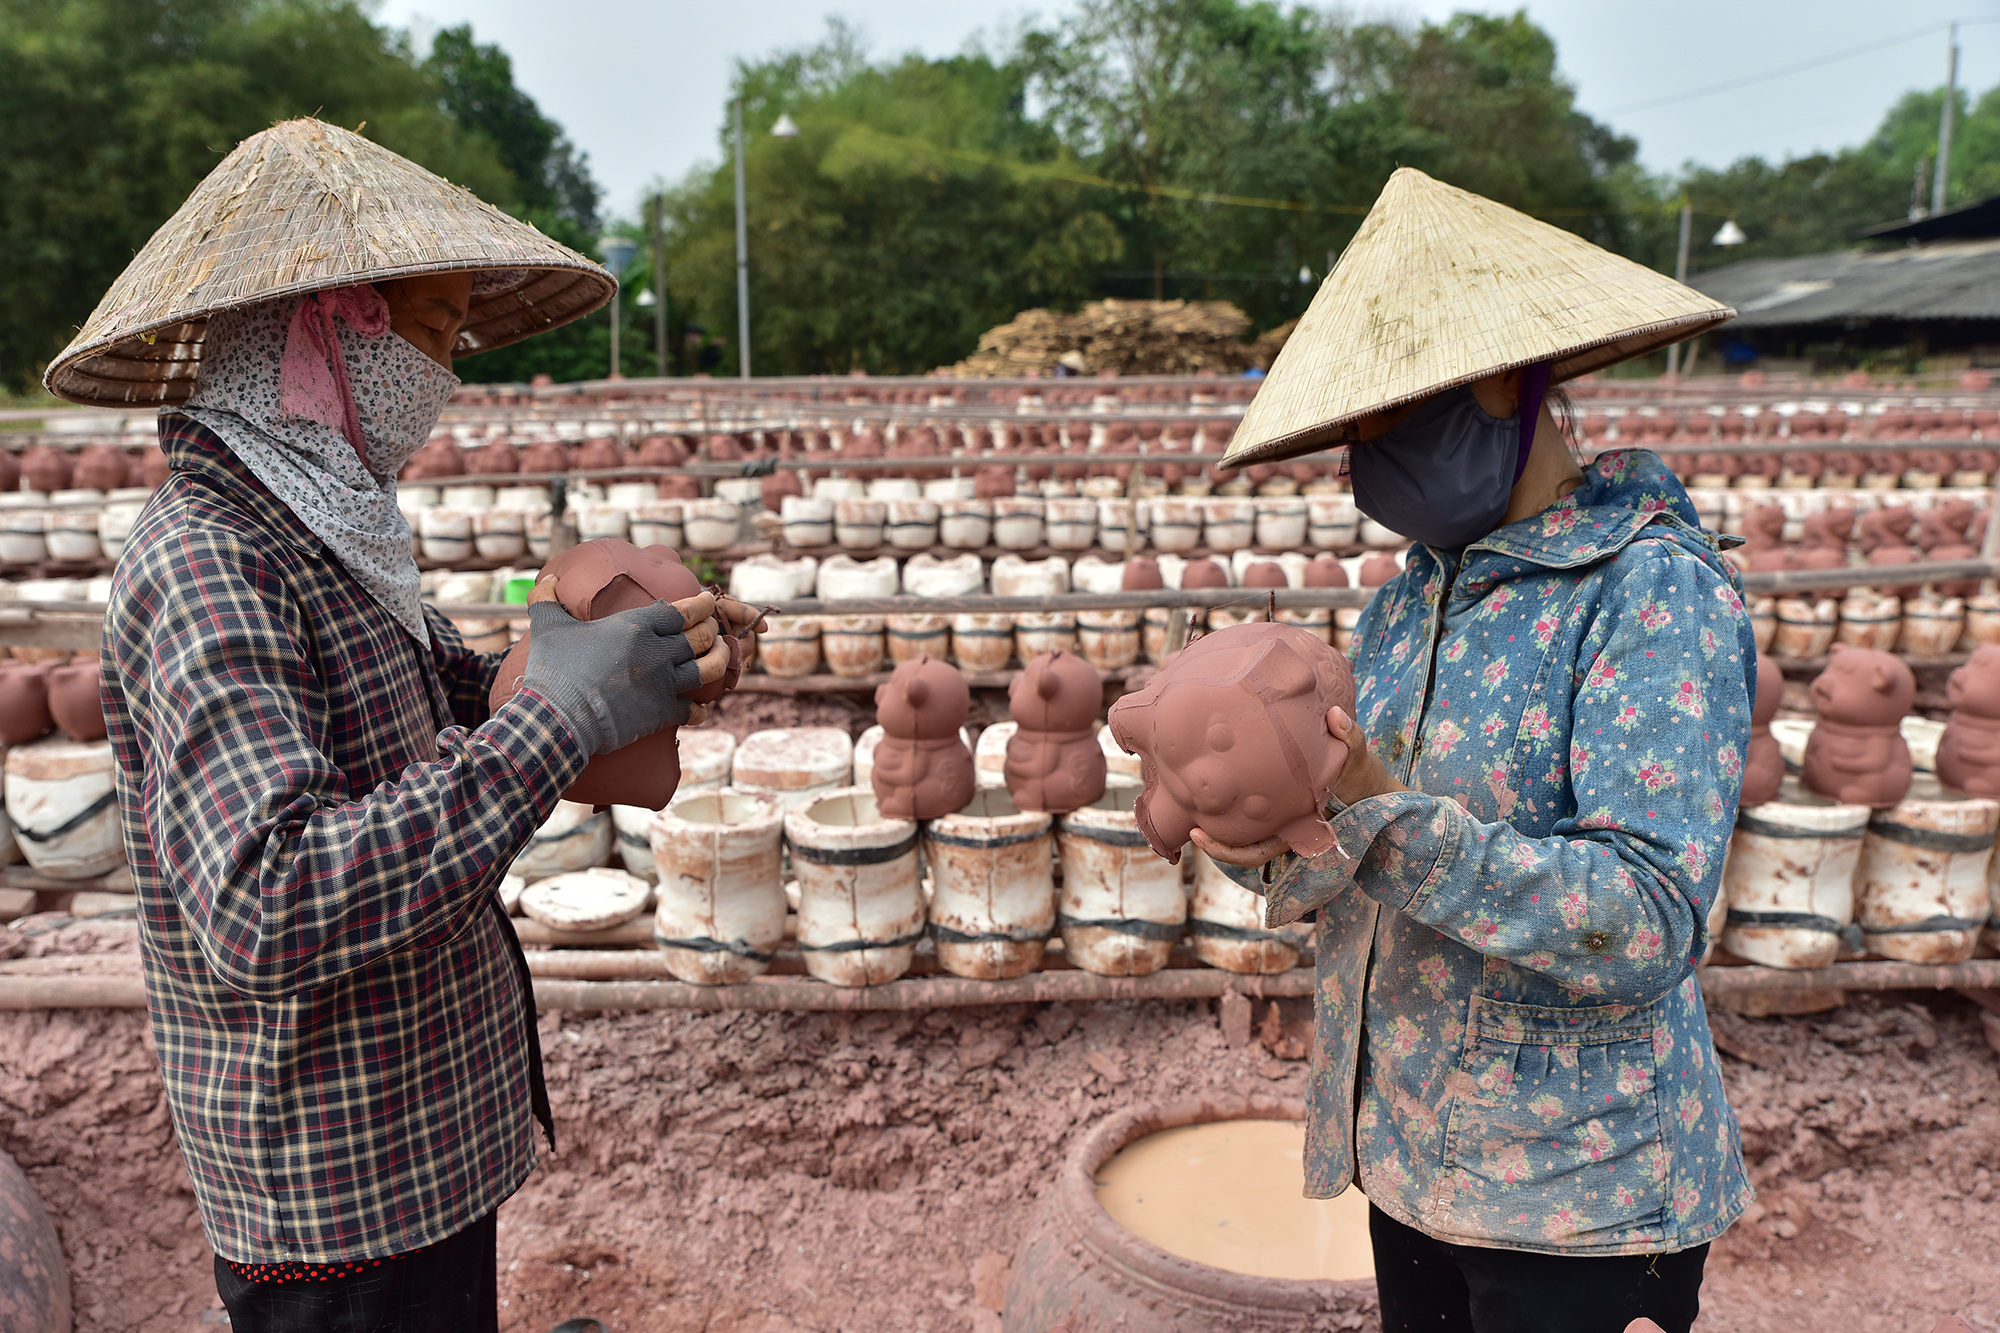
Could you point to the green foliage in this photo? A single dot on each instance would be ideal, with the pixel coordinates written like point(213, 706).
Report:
point(116, 109)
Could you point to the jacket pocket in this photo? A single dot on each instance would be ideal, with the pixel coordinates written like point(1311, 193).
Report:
point(1555, 1127)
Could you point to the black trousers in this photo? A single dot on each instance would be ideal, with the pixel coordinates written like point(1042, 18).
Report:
point(1432, 1286)
point(449, 1287)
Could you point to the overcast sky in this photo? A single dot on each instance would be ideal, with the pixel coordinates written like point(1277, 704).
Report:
point(639, 86)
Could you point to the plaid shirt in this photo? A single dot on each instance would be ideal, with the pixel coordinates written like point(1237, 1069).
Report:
point(317, 814)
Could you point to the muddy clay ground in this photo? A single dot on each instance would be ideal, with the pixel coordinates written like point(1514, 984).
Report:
point(764, 1174)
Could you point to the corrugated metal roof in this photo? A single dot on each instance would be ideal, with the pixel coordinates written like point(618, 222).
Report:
point(1942, 280)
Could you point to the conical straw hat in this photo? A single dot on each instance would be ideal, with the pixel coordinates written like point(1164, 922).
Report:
point(301, 207)
point(1440, 287)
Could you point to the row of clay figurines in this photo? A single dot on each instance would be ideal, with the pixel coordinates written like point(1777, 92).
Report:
point(38, 696)
point(1856, 754)
point(1951, 531)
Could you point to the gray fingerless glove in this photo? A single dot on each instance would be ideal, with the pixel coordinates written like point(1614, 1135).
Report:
point(615, 680)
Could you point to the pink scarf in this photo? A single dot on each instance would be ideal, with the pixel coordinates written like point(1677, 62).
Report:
point(312, 379)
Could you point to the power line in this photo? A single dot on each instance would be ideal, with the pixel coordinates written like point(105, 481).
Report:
point(1799, 68)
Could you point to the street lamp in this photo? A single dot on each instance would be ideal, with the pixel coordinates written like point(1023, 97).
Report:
point(785, 128)
point(618, 253)
point(1729, 234)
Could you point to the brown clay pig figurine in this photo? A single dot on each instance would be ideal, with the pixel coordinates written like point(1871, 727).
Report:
point(1054, 763)
point(1142, 574)
point(1234, 737)
point(1856, 754)
point(74, 701)
point(1763, 761)
point(592, 580)
point(1968, 756)
point(922, 768)
point(24, 701)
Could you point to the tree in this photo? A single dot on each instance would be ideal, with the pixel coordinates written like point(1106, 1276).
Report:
point(891, 232)
point(117, 108)
point(477, 83)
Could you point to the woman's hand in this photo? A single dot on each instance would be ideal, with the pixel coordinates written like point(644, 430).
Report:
point(1361, 776)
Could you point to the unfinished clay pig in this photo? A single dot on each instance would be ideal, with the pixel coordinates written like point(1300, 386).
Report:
point(492, 460)
point(1856, 754)
point(74, 702)
point(1764, 540)
point(1234, 737)
point(1266, 574)
point(103, 467)
point(1763, 761)
point(1054, 763)
point(922, 768)
point(439, 458)
point(1203, 574)
point(1883, 535)
point(1325, 571)
point(47, 468)
point(1142, 574)
point(24, 701)
point(1968, 755)
point(596, 579)
point(1378, 569)
point(547, 456)
point(1942, 534)
point(153, 469)
point(600, 453)
point(1825, 542)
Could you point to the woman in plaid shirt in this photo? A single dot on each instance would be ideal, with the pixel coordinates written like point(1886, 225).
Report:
point(318, 807)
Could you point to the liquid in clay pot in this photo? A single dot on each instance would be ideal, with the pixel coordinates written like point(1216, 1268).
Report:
point(1054, 764)
point(1233, 737)
point(1856, 754)
point(597, 579)
point(1763, 761)
point(74, 701)
point(922, 768)
point(1968, 754)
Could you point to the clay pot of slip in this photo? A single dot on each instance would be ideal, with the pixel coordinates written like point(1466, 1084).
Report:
point(1763, 761)
point(1054, 763)
point(600, 578)
point(1079, 1267)
point(75, 701)
point(47, 469)
point(1234, 737)
point(1968, 754)
point(922, 768)
point(1856, 754)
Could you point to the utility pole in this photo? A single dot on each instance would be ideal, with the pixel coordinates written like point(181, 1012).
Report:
point(655, 208)
point(1942, 176)
point(742, 257)
point(1681, 276)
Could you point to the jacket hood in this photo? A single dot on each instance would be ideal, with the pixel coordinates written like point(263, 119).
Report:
point(1624, 493)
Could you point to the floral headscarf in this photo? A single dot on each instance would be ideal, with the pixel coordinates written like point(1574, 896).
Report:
point(279, 406)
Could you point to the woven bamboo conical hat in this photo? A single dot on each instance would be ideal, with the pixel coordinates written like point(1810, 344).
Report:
point(302, 207)
point(1440, 287)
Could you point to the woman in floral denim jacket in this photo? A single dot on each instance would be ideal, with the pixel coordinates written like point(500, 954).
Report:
point(1511, 1051)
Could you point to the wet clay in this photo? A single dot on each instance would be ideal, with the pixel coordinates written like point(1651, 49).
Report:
point(1233, 736)
point(600, 578)
point(1763, 761)
point(922, 768)
point(1054, 763)
point(74, 700)
point(1856, 754)
point(1228, 1194)
point(1968, 754)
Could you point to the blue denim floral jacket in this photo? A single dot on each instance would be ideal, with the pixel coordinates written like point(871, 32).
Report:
point(1571, 697)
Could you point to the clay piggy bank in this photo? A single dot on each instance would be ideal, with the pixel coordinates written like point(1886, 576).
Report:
point(1942, 534)
point(1763, 761)
point(596, 579)
point(1054, 763)
point(74, 700)
point(1856, 754)
point(492, 460)
point(922, 768)
point(1825, 545)
point(1233, 737)
point(1764, 545)
point(1968, 756)
point(547, 456)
